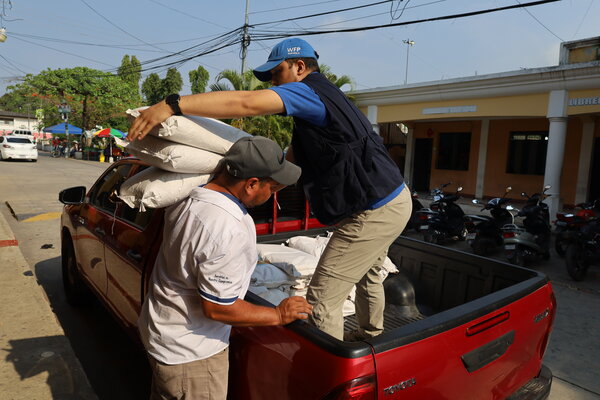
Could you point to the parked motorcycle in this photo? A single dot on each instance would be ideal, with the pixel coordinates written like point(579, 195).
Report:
point(414, 222)
point(532, 241)
point(485, 233)
point(584, 250)
point(444, 218)
point(567, 223)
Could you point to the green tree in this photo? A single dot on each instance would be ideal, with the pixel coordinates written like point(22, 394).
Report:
point(172, 82)
point(131, 71)
point(338, 81)
point(230, 79)
point(199, 79)
point(95, 97)
point(152, 89)
point(155, 89)
point(16, 100)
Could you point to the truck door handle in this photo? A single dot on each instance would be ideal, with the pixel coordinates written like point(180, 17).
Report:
point(134, 255)
point(487, 353)
point(100, 231)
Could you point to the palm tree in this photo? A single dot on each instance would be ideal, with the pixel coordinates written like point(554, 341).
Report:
point(275, 127)
point(246, 81)
point(337, 81)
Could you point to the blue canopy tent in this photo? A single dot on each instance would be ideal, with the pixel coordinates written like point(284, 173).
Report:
point(60, 128)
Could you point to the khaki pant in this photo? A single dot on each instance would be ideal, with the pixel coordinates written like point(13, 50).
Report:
point(197, 380)
point(354, 256)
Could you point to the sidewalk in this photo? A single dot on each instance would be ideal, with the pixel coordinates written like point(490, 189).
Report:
point(37, 359)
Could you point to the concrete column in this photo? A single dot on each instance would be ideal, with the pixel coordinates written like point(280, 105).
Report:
point(585, 161)
point(557, 135)
point(372, 117)
point(482, 159)
point(408, 159)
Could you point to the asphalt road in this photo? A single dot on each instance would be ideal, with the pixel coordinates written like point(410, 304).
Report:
point(117, 369)
point(115, 366)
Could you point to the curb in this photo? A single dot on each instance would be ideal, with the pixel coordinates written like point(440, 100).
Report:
point(38, 360)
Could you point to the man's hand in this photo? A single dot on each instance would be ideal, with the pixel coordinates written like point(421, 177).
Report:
point(293, 308)
point(148, 119)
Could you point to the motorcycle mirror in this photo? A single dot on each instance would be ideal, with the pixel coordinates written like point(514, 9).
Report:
point(547, 187)
point(508, 189)
point(459, 189)
point(523, 194)
point(509, 207)
point(475, 201)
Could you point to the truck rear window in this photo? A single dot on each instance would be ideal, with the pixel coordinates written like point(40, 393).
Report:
point(18, 140)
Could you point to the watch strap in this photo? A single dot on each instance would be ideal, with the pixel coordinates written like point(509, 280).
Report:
point(173, 101)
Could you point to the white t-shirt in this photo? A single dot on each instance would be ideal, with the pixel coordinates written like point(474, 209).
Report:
point(208, 251)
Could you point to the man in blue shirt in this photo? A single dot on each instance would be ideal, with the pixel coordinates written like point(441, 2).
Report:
point(347, 175)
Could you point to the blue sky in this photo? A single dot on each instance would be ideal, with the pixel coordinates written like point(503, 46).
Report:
point(67, 33)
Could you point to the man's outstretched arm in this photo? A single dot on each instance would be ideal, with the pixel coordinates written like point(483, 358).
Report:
point(224, 104)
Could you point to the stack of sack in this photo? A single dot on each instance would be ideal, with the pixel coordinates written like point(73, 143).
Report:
point(183, 152)
point(283, 271)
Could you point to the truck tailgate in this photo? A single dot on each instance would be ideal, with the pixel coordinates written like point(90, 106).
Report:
point(485, 349)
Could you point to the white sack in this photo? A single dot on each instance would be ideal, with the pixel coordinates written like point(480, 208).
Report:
point(203, 133)
point(316, 246)
point(172, 156)
point(155, 188)
point(270, 276)
point(294, 262)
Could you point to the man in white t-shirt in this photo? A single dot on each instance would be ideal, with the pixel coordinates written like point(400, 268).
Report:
point(202, 273)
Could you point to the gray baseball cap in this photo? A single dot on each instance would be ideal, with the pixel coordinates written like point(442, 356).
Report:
point(260, 157)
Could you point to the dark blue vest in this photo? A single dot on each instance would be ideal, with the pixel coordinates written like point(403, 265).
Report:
point(345, 166)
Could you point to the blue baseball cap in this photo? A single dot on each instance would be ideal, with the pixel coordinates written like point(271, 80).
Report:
point(288, 48)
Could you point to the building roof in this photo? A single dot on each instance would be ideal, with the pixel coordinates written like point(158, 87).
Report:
point(16, 114)
point(525, 81)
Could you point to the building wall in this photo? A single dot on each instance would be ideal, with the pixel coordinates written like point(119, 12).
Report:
point(496, 178)
point(506, 106)
point(466, 179)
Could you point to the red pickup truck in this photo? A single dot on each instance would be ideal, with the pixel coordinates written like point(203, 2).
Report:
point(457, 326)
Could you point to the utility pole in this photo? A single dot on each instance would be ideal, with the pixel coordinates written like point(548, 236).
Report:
point(408, 44)
point(245, 39)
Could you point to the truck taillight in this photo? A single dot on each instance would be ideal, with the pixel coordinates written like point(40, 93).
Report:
point(363, 388)
point(508, 235)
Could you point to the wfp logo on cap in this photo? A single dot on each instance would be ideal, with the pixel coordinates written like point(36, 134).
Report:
point(294, 50)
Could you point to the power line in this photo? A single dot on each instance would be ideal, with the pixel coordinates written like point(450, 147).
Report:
point(62, 51)
point(375, 15)
point(583, 19)
point(278, 35)
point(188, 15)
point(13, 65)
point(299, 6)
point(129, 47)
point(324, 13)
point(540, 22)
point(393, 12)
point(233, 38)
point(119, 28)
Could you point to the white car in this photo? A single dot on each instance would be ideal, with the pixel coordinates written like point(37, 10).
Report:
point(17, 147)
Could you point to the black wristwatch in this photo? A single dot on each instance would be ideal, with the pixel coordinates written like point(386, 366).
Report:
point(173, 101)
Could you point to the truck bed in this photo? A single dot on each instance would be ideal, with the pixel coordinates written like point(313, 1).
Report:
point(456, 326)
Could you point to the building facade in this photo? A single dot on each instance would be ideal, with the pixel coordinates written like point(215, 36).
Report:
point(523, 129)
point(10, 121)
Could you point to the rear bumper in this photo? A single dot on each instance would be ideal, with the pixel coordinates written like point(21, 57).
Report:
point(536, 389)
